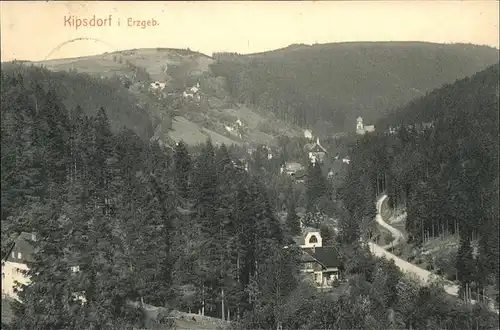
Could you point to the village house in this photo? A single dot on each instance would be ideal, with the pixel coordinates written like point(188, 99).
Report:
point(392, 130)
point(158, 85)
point(269, 152)
point(321, 264)
point(316, 152)
point(193, 93)
point(363, 129)
point(235, 129)
point(16, 261)
point(240, 163)
point(291, 168)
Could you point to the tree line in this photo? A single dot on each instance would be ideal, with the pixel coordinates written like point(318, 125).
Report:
point(140, 223)
point(335, 83)
point(119, 219)
point(444, 174)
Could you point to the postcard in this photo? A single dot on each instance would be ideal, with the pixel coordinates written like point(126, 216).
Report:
point(249, 164)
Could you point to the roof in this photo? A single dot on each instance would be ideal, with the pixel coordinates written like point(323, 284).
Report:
point(301, 240)
point(300, 174)
point(24, 245)
point(370, 128)
point(306, 257)
point(314, 147)
point(317, 148)
point(328, 256)
point(292, 166)
point(309, 146)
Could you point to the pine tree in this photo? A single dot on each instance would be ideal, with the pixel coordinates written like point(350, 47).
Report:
point(226, 185)
point(205, 193)
point(166, 217)
point(315, 184)
point(20, 178)
point(182, 163)
point(292, 220)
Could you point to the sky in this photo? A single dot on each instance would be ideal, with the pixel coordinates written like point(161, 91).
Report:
point(36, 30)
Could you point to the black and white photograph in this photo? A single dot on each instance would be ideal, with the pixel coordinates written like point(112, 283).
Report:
point(243, 165)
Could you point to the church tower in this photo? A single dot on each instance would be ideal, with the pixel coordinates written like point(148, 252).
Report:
point(360, 129)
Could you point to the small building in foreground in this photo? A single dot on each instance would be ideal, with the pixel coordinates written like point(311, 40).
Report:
point(321, 264)
point(15, 262)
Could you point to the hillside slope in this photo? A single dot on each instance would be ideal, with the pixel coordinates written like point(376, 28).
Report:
point(122, 107)
point(445, 174)
point(324, 87)
point(338, 82)
point(480, 91)
point(174, 116)
point(152, 63)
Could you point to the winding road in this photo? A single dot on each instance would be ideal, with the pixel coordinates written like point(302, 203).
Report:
point(424, 276)
point(397, 234)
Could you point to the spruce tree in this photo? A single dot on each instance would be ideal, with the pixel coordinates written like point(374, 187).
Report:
point(315, 184)
point(292, 220)
point(182, 165)
point(205, 202)
point(465, 263)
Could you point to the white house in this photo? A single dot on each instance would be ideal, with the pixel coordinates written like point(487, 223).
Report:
point(291, 168)
point(235, 128)
point(195, 89)
point(315, 151)
point(369, 128)
point(158, 85)
point(392, 130)
point(193, 93)
point(15, 262)
point(187, 95)
point(308, 134)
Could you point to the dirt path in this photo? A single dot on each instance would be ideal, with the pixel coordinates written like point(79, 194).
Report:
point(424, 276)
point(396, 233)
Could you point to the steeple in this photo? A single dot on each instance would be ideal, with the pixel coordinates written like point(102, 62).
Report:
point(360, 128)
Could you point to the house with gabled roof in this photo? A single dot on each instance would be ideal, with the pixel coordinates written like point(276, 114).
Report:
point(15, 262)
point(316, 152)
point(321, 264)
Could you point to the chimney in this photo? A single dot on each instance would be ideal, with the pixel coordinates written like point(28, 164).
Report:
point(317, 140)
point(33, 236)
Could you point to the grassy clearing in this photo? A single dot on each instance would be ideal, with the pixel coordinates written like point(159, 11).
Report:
point(152, 59)
point(437, 255)
point(192, 134)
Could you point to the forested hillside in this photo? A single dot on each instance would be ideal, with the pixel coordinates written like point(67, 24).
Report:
point(444, 173)
point(188, 231)
point(337, 82)
point(125, 109)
